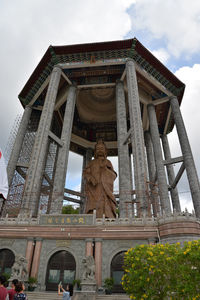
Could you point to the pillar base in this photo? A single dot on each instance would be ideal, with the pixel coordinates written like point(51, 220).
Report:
point(88, 287)
point(82, 295)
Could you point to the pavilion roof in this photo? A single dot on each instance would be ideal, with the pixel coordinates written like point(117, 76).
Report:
point(104, 50)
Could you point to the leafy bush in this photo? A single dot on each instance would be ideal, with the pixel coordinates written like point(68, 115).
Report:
point(108, 283)
point(163, 271)
point(70, 210)
point(77, 282)
point(32, 281)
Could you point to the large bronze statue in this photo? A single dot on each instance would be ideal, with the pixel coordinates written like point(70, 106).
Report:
point(99, 176)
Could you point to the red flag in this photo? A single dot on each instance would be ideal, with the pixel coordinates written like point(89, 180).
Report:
point(3, 177)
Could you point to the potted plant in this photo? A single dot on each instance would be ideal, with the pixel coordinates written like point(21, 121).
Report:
point(108, 284)
point(77, 284)
point(32, 283)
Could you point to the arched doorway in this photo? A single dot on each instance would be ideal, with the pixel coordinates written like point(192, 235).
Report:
point(61, 268)
point(117, 271)
point(7, 259)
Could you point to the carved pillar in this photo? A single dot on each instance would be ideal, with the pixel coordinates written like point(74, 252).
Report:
point(29, 252)
point(125, 205)
point(187, 155)
point(36, 257)
point(36, 166)
point(87, 157)
point(98, 261)
point(171, 175)
point(63, 153)
point(162, 182)
point(18, 144)
point(152, 173)
point(137, 138)
point(89, 247)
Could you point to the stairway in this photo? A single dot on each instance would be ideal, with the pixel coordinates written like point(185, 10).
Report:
point(54, 296)
point(113, 297)
point(43, 296)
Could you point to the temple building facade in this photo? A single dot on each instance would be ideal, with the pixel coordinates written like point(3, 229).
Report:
point(118, 93)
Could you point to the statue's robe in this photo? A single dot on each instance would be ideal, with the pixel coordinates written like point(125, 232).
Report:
point(100, 196)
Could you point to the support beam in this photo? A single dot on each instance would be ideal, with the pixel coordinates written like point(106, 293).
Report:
point(55, 138)
point(187, 155)
point(137, 138)
point(178, 176)
point(152, 80)
point(35, 173)
point(72, 199)
point(123, 75)
point(145, 118)
point(167, 120)
point(18, 144)
point(66, 78)
point(87, 157)
point(162, 182)
point(152, 172)
point(97, 85)
point(171, 161)
point(41, 89)
point(88, 64)
point(123, 154)
point(127, 136)
point(160, 101)
point(63, 153)
point(68, 191)
point(170, 172)
point(61, 97)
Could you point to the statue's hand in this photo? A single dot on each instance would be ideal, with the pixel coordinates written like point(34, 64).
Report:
point(93, 180)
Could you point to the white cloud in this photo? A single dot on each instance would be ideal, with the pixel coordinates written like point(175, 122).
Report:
point(176, 22)
point(27, 28)
point(162, 55)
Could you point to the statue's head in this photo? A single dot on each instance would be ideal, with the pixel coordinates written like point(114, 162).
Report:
point(100, 149)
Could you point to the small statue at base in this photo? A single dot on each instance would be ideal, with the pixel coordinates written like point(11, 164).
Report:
point(19, 269)
point(89, 270)
point(100, 176)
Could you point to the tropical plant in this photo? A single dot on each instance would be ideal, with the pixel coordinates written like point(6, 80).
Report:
point(77, 283)
point(163, 271)
point(108, 284)
point(32, 281)
point(70, 210)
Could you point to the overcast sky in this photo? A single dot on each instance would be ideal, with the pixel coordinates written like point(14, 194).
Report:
point(170, 29)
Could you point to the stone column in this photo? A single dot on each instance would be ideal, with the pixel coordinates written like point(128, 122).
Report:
point(152, 172)
point(161, 177)
point(187, 155)
point(37, 163)
point(171, 175)
point(98, 261)
point(36, 257)
point(18, 144)
point(89, 247)
point(125, 205)
point(137, 138)
point(63, 153)
point(87, 157)
point(29, 252)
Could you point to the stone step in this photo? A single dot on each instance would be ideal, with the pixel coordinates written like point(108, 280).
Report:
point(55, 296)
point(43, 296)
point(113, 297)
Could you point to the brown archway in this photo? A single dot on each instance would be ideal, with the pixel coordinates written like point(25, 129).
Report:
point(117, 271)
point(7, 259)
point(61, 268)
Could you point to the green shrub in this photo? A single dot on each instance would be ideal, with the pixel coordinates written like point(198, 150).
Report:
point(163, 271)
